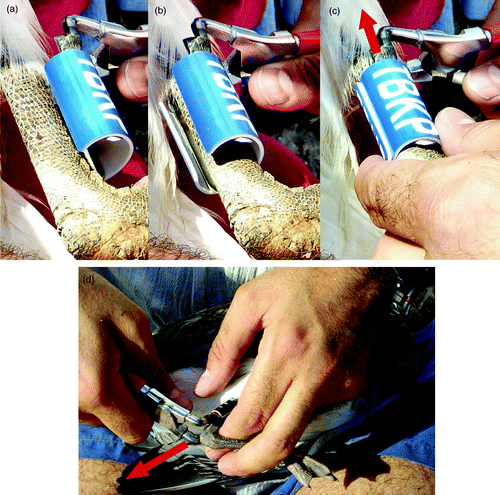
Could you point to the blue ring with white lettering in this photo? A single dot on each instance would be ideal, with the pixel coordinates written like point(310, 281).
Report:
point(394, 108)
point(218, 115)
point(90, 115)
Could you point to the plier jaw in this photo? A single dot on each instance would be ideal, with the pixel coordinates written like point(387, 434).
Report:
point(425, 68)
point(174, 417)
point(255, 49)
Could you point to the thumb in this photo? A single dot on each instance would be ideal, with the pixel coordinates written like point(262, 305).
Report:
point(132, 79)
point(460, 134)
point(482, 84)
point(291, 84)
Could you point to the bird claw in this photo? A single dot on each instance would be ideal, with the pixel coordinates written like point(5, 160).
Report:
point(305, 468)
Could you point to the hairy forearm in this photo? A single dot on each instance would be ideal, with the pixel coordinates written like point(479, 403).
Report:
point(98, 477)
point(389, 475)
point(9, 252)
point(165, 249)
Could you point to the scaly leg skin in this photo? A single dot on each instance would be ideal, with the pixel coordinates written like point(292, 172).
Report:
point(305, 469)
point(269, 219)
point(95, 220)
point(392, 476)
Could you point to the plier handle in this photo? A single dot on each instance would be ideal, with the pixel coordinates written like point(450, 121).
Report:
point(256, 49)
point(429, 65)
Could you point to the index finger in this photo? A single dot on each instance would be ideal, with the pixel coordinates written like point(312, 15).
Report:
point(132, 333)
point(277, 440)
point(237, 332)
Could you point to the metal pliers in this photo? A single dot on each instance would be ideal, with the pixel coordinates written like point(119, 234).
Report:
point(122, 42)
point(252, 50)
point(176, 419)
point(193, 429)
point(428, 65)
point(174, 425)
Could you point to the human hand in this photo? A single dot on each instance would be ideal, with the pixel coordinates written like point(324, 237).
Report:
point(293, 83)
point(116, 347)
point(450, 206)
point(308, 356)
point(132, 79)
point(482, 83)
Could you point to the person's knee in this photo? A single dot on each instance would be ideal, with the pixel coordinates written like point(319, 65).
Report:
point(98, 477)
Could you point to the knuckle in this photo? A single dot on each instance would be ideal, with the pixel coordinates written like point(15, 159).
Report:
point(246, 295)
point(255, 420)
point(242, 296)
point(245, 421)
point(393, 195)
point(95, 392)
point(88, 392)
point(158, 374)
point(95, 399)
point(278, 448)
point(135, 437)
point(138, 318)
point(326, 368)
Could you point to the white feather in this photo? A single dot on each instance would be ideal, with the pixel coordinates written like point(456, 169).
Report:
point(23, 227)
point(23, 40)
point(171, 213)
point(186, 379)
point(346, 230)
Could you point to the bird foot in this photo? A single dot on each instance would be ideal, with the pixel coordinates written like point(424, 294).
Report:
point(305, 468)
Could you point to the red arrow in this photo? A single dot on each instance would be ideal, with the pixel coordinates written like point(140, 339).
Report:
point(366, 23)
point(141, 470)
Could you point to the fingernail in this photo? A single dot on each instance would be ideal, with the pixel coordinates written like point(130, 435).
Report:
point(452, 117)
point(275, 85)
point(201, 388)
point(485, 81)
point(136, 76)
